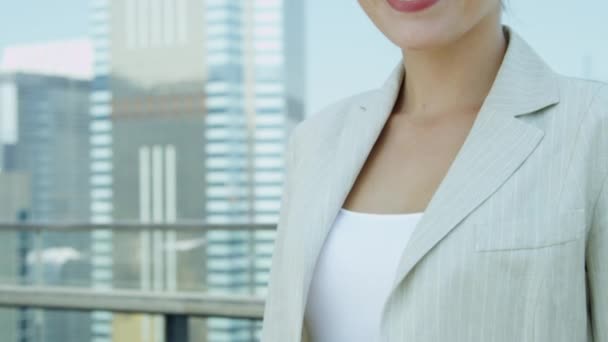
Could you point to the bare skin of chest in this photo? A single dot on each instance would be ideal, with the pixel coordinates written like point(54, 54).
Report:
point(407, 163)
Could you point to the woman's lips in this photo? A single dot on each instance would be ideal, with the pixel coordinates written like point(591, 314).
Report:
point(411, 5)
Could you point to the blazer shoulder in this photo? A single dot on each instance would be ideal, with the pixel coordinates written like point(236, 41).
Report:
point(331, 114)
point(583, 92)
point(591, 99)
point(586, 101)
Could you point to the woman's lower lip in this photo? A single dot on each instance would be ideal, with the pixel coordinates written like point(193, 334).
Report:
point(411, 5)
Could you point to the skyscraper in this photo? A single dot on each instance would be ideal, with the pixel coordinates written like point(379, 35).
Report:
point(45, 139)
point(15, 200)
point(49, 140)
point(192, 104)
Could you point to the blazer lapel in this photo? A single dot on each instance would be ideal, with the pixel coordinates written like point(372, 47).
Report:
point(497, 144)
point(333, 170)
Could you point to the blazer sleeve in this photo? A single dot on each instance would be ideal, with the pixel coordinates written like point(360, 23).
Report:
point(597, 238)
point(276, 292)
point(597, 267)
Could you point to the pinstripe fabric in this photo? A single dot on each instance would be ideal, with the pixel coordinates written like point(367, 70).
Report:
point(513, 245)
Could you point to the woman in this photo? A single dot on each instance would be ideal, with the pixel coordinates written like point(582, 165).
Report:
point(498, 162)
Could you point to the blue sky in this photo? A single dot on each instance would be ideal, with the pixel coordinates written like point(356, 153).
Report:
point(25, 21)
point(346, 53)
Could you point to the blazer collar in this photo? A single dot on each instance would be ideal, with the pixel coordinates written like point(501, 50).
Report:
point(524, 82)
point(497, 144)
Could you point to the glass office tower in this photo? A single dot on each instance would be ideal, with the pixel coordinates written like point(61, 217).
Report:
point(45, 130)
point(192, 104)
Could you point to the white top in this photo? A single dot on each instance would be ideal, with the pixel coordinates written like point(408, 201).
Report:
point(354, 273)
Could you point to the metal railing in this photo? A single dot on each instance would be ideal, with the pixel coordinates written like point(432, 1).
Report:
point(130, 226)
point(175, 306)
point(132, 301)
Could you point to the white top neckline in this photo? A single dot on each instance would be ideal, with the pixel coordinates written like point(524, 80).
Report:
point(377, 215)
point(354, 273)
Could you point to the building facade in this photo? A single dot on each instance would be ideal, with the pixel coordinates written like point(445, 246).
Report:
point(45, 153)
point(192, 104)
point(15, 199)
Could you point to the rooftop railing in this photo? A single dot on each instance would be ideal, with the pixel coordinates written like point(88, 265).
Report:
point(52, 266)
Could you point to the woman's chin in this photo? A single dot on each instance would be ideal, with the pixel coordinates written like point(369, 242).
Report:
point(409, 39)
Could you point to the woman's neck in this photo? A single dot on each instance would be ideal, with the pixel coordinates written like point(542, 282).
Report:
point(453, 78)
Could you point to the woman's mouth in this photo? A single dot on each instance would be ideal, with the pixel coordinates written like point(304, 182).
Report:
point(411, 5)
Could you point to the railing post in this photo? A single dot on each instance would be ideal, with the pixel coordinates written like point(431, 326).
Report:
point(176, 328)
point(38, 280)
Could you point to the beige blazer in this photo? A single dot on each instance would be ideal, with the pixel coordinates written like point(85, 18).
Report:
point(513, 246)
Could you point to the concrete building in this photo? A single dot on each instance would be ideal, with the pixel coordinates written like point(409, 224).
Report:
point(192, 104)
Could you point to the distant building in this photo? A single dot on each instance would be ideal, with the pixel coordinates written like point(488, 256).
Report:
point(193, 102)
point(49, 141)
point(14, 196)
point(45, 137)
point(14, 206)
